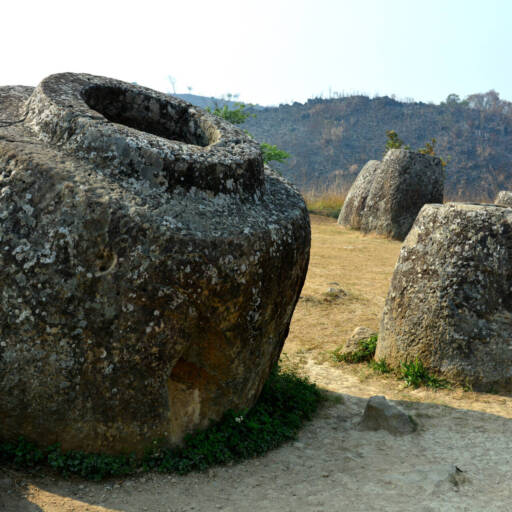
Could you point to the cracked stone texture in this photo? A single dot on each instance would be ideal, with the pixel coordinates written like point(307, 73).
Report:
point(504, 198)
point(450, 299)
point(149, 265)
point(387, 196)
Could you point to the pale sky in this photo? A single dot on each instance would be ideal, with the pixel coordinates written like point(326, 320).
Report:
point(268, 52)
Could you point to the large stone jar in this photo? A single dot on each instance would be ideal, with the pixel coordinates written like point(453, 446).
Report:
point(149, 265)
point(450, 300)
point(387, 196)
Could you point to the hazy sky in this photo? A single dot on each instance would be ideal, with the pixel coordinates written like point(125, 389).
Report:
point(269, 52)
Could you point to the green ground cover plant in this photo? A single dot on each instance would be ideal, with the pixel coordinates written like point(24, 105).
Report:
point(415, 374)
point(286, 402)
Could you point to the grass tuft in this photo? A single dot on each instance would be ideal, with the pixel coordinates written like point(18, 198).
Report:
point(286, 402)
point(379, 366)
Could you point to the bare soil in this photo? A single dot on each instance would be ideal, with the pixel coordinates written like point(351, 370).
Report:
point(332, 466)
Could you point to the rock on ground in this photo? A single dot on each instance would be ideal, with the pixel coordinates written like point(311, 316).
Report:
point(379, 414)
point(450, 300)
point(150, 265)
point(504, 198)
point(387, 196)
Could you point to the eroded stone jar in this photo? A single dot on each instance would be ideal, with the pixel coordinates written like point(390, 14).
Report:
point(149, 265)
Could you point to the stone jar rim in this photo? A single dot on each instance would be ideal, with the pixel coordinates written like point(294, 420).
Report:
point(136, 132)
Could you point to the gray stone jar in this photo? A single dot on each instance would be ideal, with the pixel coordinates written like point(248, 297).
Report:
point(149, 265)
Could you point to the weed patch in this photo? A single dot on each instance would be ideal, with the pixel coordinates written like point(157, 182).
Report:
point(416, 375)
point(286, 402)
point(365, 351)
point(379, 366)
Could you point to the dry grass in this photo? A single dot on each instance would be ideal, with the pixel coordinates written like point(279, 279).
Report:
point(325, 202)
point(362, 266)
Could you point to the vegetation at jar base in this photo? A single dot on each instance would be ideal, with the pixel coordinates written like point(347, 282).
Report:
point(415, 374)
point(286, 402)
point(379, 366)
point(238, 115)
point(365, 352)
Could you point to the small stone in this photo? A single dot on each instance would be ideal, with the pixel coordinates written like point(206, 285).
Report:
point(379, 414)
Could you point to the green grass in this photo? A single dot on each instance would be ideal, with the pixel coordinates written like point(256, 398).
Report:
point(415, 374)
point(379, 366)
point(286, 402)
point(365, 352)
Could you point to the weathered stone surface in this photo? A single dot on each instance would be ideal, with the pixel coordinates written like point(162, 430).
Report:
point(387, 195)
point(504, 198)
point(360, 333)
point(450, 299)
point(379, 414)
point(405, 181)
point(149, 265)
point(353, 207)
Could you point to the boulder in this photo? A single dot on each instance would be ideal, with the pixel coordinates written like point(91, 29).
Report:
point(387, 195)
point(351, 213)
point(150, 265)
point(379, 414)
point(504, 198)
point(450, 299)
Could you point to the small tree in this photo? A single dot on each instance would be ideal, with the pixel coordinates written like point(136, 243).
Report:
point(236, 115)
point(393, 142)
point(430, 149)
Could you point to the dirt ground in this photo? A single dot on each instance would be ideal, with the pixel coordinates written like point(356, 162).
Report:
point(332, 466)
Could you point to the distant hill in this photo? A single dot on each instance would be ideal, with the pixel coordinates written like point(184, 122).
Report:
point(330, 140)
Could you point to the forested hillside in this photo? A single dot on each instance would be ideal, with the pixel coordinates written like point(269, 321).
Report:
point(330, 140)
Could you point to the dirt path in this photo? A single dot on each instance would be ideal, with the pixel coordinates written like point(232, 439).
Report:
point(332, 466)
